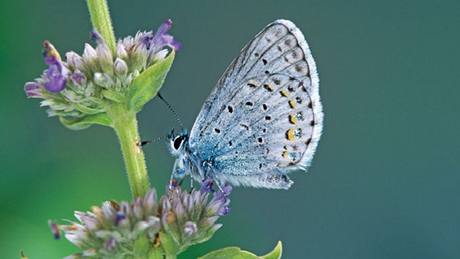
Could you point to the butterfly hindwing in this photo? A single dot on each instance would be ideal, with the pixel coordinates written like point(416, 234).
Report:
point(264, 117)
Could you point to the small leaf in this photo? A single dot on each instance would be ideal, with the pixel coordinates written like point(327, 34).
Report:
point(113, 96)
point(230, 253)
point(85, 122)
point(169, 245)
point(141, 246)
point(276, 253)
point(85, 109)
point(155, 253)
point(237, 253)
point(148, 83)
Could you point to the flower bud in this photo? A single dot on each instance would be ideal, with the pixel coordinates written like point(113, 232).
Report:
point(190, 228)
point(121, 51)
point(102, 79)
point(32, 90)
point(120, 67)
point(78, 78)
point(74, 60)
point(89, 53)
point(105, 58)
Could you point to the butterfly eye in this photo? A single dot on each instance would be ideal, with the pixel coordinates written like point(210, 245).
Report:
point(178, 142)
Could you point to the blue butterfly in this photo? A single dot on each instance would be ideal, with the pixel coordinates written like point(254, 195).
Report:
point(262, 120)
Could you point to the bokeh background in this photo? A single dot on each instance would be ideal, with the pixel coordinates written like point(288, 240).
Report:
point(384, 182)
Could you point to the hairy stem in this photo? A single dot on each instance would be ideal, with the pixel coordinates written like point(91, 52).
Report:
point(125, 125)
point(100, 18)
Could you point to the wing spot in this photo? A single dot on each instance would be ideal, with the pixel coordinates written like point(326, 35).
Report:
point(295, 54)
point(264, 107)
point(253, 83)
point(230, 143)
point(312, 123)
point(300, 116)
point(246, 127)
point(284, 93)
point(298, 100)
point(293, 156)
point(298, 133)
point(264, 130)
point(290, 88)
point(301, 68)
point(264, 61)
point(308, 141)
point(267, 72)
point(256, 54)
point(230, 109)
point(250, 104)
point(290, 134)
point(292, 119)
point(260, 140)
point(310, 105)
point(279, 48)
point(217, 130)
point(268, 118)
point(284, 154)
point(292, 104)
point(268, 87)
point(276, 81)
point(260, 166)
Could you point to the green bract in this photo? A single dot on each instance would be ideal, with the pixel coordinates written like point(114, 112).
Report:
point(237, 253)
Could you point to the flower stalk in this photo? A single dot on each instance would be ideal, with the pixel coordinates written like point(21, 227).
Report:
point(100, 18)
point(124, 123)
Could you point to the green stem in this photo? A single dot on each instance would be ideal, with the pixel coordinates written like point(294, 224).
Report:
point(100, 17)
point(125, 125)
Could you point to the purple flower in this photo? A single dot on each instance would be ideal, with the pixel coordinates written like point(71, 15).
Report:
point(206, 185)
point(55, 230)
point(78, 78)
point(55, 76)
point(190, 228)
point(32, 89)
point(156, 42)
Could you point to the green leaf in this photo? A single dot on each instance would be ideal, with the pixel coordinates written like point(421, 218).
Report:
point(155, 253)
point(148, 83)
point(113, 96)
point(276, 253)
point(169, 245)
point(141, 246)
point(230, 253)
point(237, 253)
point(85, 109)
point(85, 122)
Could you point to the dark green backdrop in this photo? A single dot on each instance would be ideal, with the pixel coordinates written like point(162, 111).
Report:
point(384, 182)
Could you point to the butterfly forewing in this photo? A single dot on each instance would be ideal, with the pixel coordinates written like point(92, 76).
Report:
point(264, 117)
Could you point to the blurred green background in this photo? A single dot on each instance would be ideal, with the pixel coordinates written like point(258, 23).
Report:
point(384, 182)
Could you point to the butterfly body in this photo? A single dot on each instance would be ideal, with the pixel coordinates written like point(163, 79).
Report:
point(262, 120)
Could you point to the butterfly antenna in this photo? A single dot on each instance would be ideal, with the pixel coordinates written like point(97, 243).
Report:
point(171, 109)
point(143, 143)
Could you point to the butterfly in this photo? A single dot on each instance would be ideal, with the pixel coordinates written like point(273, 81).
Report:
point(262, 120)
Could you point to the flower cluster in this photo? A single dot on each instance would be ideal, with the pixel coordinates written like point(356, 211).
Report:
point(82, 85)
point(145, 226)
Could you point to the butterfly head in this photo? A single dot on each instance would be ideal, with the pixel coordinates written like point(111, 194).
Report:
point(177, 142)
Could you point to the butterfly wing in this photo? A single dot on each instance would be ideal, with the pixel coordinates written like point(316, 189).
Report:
point(264, 118)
